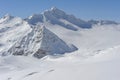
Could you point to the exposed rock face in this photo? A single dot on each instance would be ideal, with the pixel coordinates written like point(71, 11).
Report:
point(39, 43)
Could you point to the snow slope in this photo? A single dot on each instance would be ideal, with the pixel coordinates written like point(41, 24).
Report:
point(70, 67)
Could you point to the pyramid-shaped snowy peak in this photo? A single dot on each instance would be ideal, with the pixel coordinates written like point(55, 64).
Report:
point(39, 43)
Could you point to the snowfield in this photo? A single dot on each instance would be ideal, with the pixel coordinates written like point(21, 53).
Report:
point(97, 57)
point(71, 67)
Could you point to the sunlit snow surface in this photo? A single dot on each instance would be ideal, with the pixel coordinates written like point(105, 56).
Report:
point(97, 57)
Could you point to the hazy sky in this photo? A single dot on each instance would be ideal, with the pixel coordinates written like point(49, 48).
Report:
point(84, 9)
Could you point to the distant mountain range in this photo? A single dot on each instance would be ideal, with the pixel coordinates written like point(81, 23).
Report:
point(29, 37)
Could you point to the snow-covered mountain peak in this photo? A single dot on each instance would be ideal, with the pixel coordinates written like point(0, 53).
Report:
point(11, 20)
point(40, 42)
point(56, 16)
point(6, 18)
point(11, 30)
point(53, 8)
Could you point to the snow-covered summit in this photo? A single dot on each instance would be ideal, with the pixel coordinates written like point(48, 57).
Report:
point(6, 18)
point(40, 42)
point(11, 29)
point(56, 16)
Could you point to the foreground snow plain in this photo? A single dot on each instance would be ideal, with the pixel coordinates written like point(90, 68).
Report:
point(97, 57)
